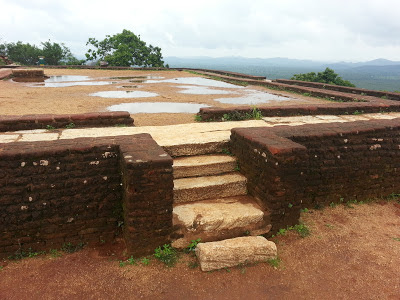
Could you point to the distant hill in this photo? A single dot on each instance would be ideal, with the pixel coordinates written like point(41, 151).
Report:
point(378, 74)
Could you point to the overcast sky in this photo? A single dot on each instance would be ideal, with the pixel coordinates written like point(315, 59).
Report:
point(349, 30)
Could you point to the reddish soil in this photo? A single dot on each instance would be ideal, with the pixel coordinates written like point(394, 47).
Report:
point(17, 98)
point(352, 253)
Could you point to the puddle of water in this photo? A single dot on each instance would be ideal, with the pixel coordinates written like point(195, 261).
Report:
point(253, 97)
point(137, 77)
point(202, 90)
point(124, 94)
point(63, 78)
point(198, 81)
point(157, 107)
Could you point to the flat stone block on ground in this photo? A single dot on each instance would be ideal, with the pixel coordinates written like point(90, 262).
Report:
point(233, 252)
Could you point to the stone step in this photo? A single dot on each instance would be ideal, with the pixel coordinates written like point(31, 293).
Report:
point(198, 148)
point(233, 252)
point(203, 165)
point(219, 219)
point(209, 187)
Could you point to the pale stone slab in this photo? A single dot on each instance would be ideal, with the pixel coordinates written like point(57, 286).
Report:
point(8, 138)
point(353, 118)
point(215, 216)
point(328, 117)
point(233, 252)
point(208, 187)
point(37, 137)
point(31, 131)
point(203, 165)
point(382, 116)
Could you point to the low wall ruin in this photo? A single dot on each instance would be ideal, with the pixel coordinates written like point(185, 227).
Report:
point(82, 191)
point(290, 168)
point(99, 119)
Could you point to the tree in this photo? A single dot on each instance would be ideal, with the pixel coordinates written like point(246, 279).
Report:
point(328, 76)
point(55, 53)
point(125, 49)
point(27, 54)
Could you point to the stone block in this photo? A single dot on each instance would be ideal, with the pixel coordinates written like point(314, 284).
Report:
point(233, 252)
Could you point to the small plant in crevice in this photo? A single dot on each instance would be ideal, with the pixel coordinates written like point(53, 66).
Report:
point(71, 248)
point(70, 126)
point(227, 152)
point(166, 254)
point(301, 229)
point(30, 253)
point(129, 261)
point(193, 264)
point(55, 253)
point(120, 125)
point(254, 114)
point(145, 261)
point(274, 262)
point(49, 127)
point(393, 196)
point(192, 246)
point(198, 118)
point(237, 167)
point(397, 239)
point(358, 112)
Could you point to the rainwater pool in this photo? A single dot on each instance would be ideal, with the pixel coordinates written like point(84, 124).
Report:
point(157, 107)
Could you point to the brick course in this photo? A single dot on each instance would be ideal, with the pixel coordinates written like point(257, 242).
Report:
point(98, 119)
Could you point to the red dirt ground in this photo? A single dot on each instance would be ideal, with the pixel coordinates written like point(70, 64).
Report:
point(352, 253)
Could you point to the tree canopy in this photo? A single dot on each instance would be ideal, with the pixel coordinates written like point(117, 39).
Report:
point(328, 76)
point(27, 54)
point(125, 49)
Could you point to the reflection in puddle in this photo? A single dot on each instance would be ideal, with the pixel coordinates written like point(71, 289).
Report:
point(253, 97)
point(198, 81)
point(202, 90)
point(124, 94)
point(157, 107)
point(74, 83)
point(137, 77)
point(62, 78)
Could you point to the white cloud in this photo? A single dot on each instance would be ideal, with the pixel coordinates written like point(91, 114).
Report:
point(335, 30)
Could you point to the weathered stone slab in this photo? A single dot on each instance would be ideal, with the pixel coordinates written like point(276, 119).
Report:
point(209, 187)
point(232, 252)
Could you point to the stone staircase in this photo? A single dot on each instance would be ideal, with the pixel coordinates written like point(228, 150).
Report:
point(211, 203)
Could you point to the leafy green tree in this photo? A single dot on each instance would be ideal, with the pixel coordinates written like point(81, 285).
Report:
point(27, 54)
point(328, 76)
point(55, 53)
point(125, 49)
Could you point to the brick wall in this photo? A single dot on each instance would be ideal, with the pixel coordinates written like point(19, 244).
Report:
point(353, 90)
point(289, 168)
point(82, 190)
point(100, 119)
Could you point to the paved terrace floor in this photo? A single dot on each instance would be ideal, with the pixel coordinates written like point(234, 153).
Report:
point(194, 133)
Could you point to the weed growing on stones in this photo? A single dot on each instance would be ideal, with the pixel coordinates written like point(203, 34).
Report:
point(274, 262)
point(166, 254)
point(192, 246)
